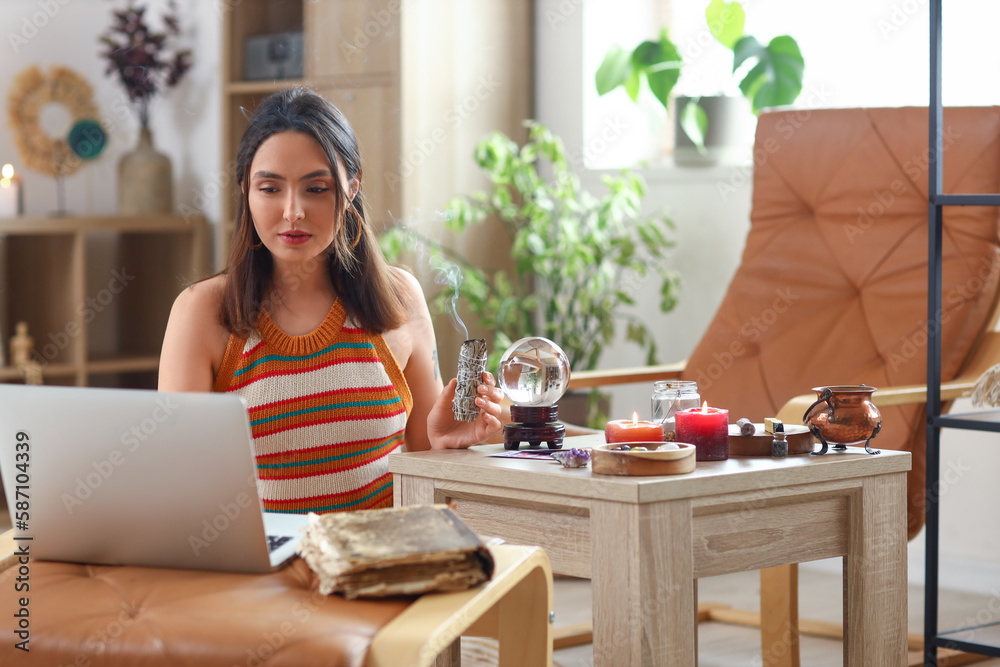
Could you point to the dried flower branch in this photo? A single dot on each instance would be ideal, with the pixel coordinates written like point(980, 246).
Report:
point(143, 58)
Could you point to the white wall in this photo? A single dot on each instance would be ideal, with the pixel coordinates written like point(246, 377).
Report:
point(185, 119)
point(863, 53)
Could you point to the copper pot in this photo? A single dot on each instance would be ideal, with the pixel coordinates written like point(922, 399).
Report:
point(844, 415)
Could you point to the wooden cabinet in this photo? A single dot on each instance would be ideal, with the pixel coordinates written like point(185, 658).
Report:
point(96, 292)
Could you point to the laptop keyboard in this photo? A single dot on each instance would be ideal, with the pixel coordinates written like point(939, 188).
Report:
point(275, 541)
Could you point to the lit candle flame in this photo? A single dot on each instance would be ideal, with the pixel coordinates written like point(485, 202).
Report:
point(635, 419)
point(704, 408)
point(7, 171)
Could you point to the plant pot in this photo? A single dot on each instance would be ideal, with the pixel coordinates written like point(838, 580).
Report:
point(145, 179)
point(728, 137)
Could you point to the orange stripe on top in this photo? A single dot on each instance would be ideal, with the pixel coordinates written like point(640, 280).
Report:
point(338, 392)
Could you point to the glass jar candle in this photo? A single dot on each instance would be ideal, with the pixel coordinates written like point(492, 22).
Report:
point(669, 396)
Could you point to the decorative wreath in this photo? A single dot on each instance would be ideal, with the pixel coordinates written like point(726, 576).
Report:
point(30, 92)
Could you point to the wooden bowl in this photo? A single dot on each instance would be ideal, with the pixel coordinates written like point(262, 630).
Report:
point(611, 460)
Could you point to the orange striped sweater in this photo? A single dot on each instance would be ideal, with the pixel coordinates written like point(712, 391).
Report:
point(326, 410)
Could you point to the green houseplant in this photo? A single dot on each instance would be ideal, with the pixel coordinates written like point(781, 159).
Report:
point(577, 258)
point(774, 79)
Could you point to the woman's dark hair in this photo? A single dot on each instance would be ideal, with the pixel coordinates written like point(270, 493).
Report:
point(367, 287)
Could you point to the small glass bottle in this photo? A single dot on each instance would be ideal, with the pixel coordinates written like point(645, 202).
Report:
point(669, 396)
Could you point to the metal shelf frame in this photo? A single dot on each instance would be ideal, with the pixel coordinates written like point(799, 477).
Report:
point(933, 638)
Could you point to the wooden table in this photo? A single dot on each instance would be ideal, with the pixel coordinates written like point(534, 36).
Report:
point(644, 541)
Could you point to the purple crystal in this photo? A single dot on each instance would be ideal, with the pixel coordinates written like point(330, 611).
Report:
point(572, 458)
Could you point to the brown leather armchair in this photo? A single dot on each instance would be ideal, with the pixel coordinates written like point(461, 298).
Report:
point(832, 288)
point(125, 616)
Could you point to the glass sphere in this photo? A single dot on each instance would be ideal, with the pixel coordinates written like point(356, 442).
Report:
point(534, 371)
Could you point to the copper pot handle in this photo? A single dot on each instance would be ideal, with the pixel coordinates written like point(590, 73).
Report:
point(824, 397)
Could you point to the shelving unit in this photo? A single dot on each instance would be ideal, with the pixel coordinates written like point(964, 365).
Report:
point(961, 639)
point(96, 292)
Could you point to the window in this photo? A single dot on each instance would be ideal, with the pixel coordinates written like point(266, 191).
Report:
point(857, 53)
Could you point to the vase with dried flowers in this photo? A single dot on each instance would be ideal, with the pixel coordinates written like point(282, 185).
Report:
point(145, 62)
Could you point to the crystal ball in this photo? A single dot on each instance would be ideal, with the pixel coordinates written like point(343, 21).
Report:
point(534, 372)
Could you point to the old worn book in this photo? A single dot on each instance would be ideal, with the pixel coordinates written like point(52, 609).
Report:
point(397, 551)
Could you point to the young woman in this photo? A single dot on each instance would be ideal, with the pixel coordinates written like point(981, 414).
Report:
point(332, 348)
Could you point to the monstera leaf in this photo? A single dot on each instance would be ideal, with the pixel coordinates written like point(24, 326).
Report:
point(659, 62)
point(776, 79)
point(725, 21)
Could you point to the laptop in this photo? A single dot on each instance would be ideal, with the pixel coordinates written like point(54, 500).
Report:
point(137, 477)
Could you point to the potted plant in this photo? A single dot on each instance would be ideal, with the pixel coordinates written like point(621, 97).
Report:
point(770, 75)
point(145, 61)
point(577, 258)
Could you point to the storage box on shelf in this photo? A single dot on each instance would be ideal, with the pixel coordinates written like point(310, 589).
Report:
point(96, 292)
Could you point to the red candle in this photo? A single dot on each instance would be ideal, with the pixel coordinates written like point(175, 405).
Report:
point(707, 429)
point(633, 430)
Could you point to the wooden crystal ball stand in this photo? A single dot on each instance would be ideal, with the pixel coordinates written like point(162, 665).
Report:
point(534, 425)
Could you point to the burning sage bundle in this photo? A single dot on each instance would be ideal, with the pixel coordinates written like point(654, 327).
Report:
point(471, 364)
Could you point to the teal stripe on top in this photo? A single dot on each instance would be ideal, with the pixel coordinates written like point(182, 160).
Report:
point(394, 439)
point(331, 406)
point(341, 506)
point(288, 357)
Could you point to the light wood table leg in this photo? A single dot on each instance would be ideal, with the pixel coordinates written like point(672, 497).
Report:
point(875, 574)
point(644, 597)
point(779, 616)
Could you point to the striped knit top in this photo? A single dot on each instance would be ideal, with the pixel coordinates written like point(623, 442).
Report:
point(326, 410)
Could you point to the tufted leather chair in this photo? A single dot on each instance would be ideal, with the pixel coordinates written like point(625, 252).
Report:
point(126, 616)
point(832, 287)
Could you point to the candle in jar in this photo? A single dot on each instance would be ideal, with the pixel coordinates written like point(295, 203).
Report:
point(10, 192)
point(633, 430)
point(707, 429)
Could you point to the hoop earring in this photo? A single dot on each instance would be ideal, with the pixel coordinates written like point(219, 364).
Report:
point(260, 243)
point(358, 221)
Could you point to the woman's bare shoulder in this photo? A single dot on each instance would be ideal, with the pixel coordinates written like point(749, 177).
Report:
point(412, 292)
point(195, 341)
point(202, 301)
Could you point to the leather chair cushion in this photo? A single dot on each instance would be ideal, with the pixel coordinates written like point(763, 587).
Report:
point(832, 288)
point(128, 616)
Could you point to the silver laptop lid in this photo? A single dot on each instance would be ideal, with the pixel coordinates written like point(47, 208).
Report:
point(133, 477)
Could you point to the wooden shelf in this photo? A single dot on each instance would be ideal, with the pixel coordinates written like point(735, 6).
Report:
point(96, 291)
point(123, 365)
point(263, 87)
point(11, 374)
